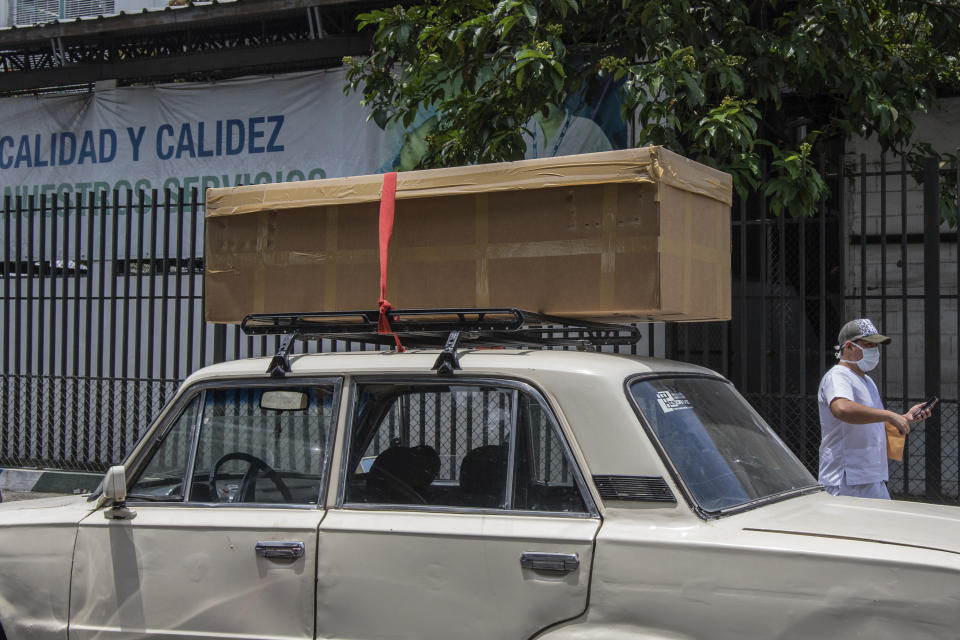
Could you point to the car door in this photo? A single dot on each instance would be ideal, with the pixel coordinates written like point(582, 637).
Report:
point(228, 549)
point(460, 514)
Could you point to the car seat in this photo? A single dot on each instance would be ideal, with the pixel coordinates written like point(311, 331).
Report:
point(403, 475)
point(483, 476)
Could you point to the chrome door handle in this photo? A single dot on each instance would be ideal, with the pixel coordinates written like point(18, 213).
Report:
point(286, 550)
point(563, 562)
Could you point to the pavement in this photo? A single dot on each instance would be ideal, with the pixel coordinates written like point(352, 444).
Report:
point(11, 496)
point(25, 484)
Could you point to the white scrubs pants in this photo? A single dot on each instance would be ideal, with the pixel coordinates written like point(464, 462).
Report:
point(876, 490)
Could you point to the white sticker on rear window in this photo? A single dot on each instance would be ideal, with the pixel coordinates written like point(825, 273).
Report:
point(672, 401)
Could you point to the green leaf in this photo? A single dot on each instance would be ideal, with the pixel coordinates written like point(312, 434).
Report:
point(694, 91)
point(504, 6)
point(524, 54)
point(507, 24)
point(557, 82)
point(868, 69)
point(520, 75)
point(403, 35)
point(531, 12)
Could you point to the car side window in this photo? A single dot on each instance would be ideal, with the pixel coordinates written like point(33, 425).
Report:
point(457, 446)
point(263, 445)
point(545, 479)
point(163, 476)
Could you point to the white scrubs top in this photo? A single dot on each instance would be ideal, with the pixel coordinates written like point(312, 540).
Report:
point(850, 453)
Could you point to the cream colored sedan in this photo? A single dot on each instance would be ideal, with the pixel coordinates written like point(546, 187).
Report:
point(531, 494)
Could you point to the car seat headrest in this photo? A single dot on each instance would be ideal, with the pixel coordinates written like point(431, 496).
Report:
point(415, 466)
point(483, 471)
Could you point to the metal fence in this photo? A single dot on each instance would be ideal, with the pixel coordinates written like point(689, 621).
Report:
point(877, 249)
point(103, 317)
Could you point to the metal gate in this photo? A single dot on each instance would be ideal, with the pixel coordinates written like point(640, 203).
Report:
point(875, 249)
point(103, 317)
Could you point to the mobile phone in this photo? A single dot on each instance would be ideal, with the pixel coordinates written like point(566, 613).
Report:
point(926, 405)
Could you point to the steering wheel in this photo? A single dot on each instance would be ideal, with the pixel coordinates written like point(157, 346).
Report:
point(248, 484)
point(399, 488)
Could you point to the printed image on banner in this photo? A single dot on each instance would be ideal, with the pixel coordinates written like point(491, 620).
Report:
point(578, 125)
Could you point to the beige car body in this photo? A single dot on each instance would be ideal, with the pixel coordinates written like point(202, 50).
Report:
point(810, 565)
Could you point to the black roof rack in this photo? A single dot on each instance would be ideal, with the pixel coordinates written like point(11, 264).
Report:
point(445, 328)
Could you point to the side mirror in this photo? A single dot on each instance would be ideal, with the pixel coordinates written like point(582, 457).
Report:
point(115, 492)
point(115, 485)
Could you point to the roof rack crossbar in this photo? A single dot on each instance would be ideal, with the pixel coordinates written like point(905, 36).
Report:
point(432, 327)
point(280, 364)
point(447, 361)
point(359, 322)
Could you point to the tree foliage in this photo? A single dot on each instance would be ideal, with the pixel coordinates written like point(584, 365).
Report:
point(746, 87)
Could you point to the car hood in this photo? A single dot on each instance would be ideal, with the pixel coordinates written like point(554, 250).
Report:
point(894, 522)
point(46, 503)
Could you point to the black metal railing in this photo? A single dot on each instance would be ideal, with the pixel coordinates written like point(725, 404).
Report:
point(877, 249)
point(103, 317)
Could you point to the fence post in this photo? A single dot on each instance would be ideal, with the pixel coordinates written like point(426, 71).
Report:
point(219, 342)
point(931, 320)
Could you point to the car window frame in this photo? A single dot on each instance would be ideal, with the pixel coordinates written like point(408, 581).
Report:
point(147, 448)
point(353, 383)
point(702, 513)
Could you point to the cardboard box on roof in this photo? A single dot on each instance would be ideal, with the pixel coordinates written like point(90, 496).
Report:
point(620, 235)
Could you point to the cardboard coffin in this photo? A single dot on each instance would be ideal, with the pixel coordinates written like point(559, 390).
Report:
point(620, 235)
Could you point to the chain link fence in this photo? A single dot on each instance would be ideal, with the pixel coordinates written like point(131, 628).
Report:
point(79, 424)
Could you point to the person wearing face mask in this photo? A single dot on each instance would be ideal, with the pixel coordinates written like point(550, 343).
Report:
point(853, 446)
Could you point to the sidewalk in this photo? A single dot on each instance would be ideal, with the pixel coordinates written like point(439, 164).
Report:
point(21, 484)
point(13, 496)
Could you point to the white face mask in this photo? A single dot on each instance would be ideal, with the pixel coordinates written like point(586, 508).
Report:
point(870, 359)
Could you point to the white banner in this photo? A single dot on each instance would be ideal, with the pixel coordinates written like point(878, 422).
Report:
point(247, 131)
point(252, 130)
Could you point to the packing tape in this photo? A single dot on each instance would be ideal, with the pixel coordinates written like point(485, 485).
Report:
point(723, 276)
point(643, 165)
point(453, 253)
point(608, 253)
point(330, 266)
point(688, 251)
point(249, 259)
point(260, 268)
point(482, 244)
point(678, 248)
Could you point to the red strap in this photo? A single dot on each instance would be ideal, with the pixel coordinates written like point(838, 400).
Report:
point(387, 201)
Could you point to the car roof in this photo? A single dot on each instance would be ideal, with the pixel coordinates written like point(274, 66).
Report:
point(481, 361)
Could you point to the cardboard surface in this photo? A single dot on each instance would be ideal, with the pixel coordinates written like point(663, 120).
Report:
point(637, 234)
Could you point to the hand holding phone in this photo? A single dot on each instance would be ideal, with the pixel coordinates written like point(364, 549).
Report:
point(925, 406)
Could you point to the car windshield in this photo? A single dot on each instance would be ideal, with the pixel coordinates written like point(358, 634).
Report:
point(724, 452)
